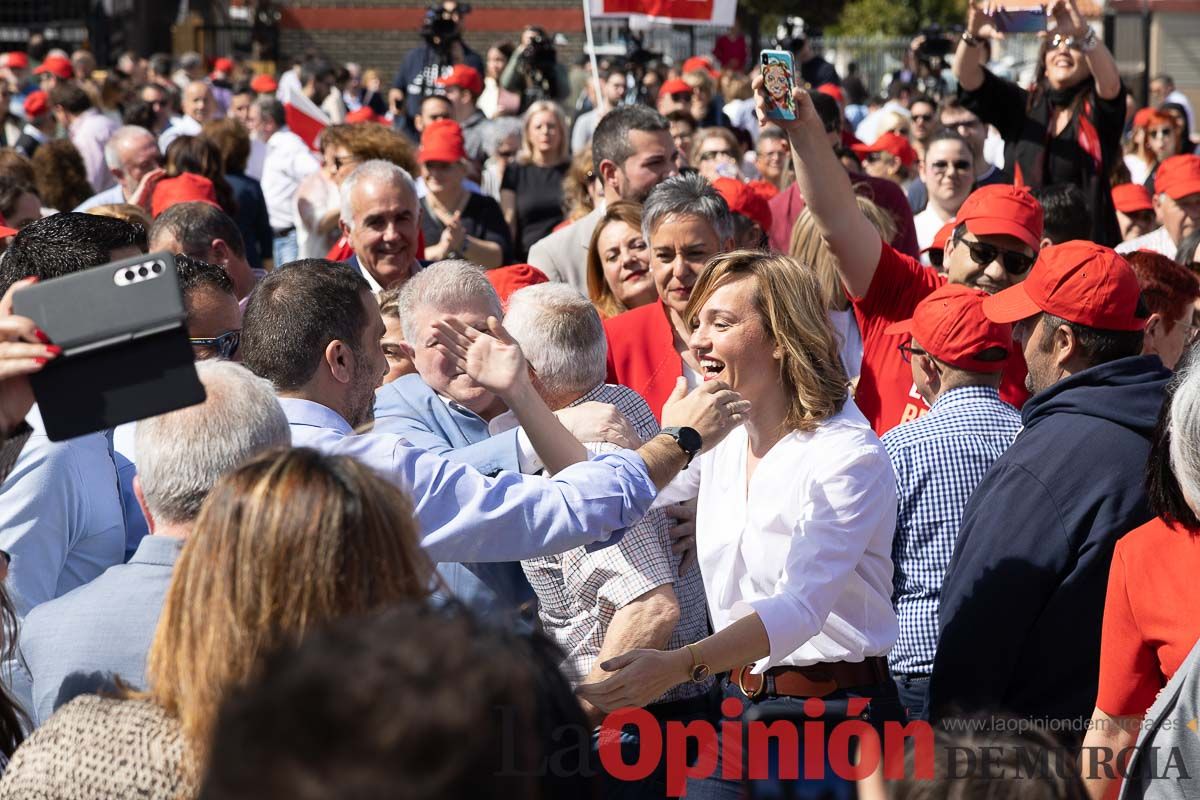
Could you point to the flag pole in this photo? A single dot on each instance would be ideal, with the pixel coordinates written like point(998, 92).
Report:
point(591, 46)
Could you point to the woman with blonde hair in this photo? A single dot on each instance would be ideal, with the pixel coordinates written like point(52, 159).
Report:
point(618, 261)
point(531, 192)
point(795, 517)
point(581, 189)
point(810, 249)
point(283, 545)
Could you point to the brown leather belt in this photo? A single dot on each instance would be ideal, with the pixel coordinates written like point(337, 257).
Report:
point(815, 680)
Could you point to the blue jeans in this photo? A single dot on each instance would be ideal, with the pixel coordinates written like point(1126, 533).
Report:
point(914, 694)
point(285, 249)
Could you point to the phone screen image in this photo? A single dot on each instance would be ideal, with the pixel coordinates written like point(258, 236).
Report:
point(778, 70)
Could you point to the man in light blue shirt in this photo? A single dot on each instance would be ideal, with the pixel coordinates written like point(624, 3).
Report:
point(313, 329)
point(78, 642)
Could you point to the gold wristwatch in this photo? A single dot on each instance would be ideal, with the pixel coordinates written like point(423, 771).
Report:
point(700, 670)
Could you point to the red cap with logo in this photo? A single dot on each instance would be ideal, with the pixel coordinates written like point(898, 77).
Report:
point(1178, 177)
point(264, 84)
point(186, 188)
point(951, 326)
point(15, 59)
point(507, 280)
point(36, 103)
point(699, 63)
point(1130, 198)
point(892, 143)
point(58, 66)
point(674, 86)
point(464, 77)
point(743, 200)
point(442, 140)
point(1003, 210)
point(1078, 281)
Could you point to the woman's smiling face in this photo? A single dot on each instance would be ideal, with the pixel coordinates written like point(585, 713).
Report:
point(732, 344)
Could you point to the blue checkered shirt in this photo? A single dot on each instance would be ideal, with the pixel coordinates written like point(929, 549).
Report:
point(939, 459)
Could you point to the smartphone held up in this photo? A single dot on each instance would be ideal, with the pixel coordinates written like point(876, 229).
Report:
point(1020, 20)
point(778, 72)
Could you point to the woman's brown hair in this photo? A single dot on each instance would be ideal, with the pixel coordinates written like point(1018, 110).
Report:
point(369, 141)
point(60, 175)
point(283, 545)
point(599, 291)
point(199, 156)
point(232, 141)
point(793, 313)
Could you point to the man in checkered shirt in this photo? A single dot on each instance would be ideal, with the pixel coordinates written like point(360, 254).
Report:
point(957, 356)
point(600, 604)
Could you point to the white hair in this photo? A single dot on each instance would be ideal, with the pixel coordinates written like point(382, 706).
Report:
point(181, 455)
point(374, 170)
point(122, 136)
point(444, 286)
point(1184, 433)
point(561, 335)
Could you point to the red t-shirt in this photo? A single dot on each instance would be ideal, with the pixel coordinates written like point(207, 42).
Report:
point(1150, 621)
point(886, 394)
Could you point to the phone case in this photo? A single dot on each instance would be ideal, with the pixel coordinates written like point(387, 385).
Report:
point(1029, 20)
point(778, 71)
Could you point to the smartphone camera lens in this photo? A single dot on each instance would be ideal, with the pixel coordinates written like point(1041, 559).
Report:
point(129, 275)
point(157, 268)
point(143, 271)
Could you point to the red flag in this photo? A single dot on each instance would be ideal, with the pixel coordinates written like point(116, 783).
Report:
point(694, 12)
point(304, 117)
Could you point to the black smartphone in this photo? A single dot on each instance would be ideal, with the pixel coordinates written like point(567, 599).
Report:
point(126, 355)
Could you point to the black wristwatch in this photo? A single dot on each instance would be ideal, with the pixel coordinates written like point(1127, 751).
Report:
point(688, 439)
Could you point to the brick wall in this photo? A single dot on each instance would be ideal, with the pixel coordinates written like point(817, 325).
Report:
point(377, 33)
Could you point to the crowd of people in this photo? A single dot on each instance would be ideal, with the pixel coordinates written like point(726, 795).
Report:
point(534, 394)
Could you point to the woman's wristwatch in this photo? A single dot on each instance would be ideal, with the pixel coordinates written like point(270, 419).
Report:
point(699, 671)
point(971, 39)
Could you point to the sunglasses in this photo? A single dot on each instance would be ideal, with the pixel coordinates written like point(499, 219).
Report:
point(1014, 263)
point(681, 97)
point(709, 155)
point(1161, 133)
point(1072, 42)
point(922, 117)
point(943, 166)
point(505, 153)
point(224, 345)
point(871, 158)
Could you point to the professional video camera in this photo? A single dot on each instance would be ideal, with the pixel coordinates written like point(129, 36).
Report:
point(538, 63)
point(932, 54)
point(791, 34)
point(440, 27)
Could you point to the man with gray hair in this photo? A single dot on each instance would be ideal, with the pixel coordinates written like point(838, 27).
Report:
point(130, 154)
point(77, 643)
point(441, 409)
point(600, 604)
point(632, 152)
point(381, 218)
point(287, 163)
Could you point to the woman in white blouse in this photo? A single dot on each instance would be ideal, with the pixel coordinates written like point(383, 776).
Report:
point(796, 507)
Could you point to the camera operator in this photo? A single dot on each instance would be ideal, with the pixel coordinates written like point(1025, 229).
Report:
point(791, 35)
point(423, 65)
point(533, 72)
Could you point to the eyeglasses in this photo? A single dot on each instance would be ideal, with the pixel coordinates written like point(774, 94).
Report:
point(709, 155)
point(901, 132)
point(1014, 263)
point(922, 117)
point(872, 157)
point(224, 346)
point(1072, 42)
point(681, 97)
point(944, 166)
point(1161, 133)
point(907, 351)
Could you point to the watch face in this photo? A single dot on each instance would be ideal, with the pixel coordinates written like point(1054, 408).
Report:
point(690, 440)
point(700, 672)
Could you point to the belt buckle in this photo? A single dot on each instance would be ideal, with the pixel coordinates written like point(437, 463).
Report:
point(750, 695)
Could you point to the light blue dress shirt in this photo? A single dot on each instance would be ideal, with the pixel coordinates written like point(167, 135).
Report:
point(465, 516)
point(60, 516)
point(78, 642)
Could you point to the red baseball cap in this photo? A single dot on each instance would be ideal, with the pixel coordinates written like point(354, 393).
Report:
point(1178, 177)
point(15, 59)
point(1145, 117)
point(942, 236)
point(1078, 281)
point(674, 86)
point(699, 63)
point(892, 143)
point(57, 66)
point(6, 231)
point(264, 84)
point(507, 280)
point(364, 114)
point(743, 200)
point(1000, 209)
point(223, 65)
point(465, 77)
point(951, 326)
point(1130, 198)
point(36, 103)
point(442, 140)
point(834, 91)
point(186, 188)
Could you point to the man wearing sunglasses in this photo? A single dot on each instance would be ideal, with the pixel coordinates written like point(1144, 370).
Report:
point(214, 321)
point(995, 240)
point(947, 172)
